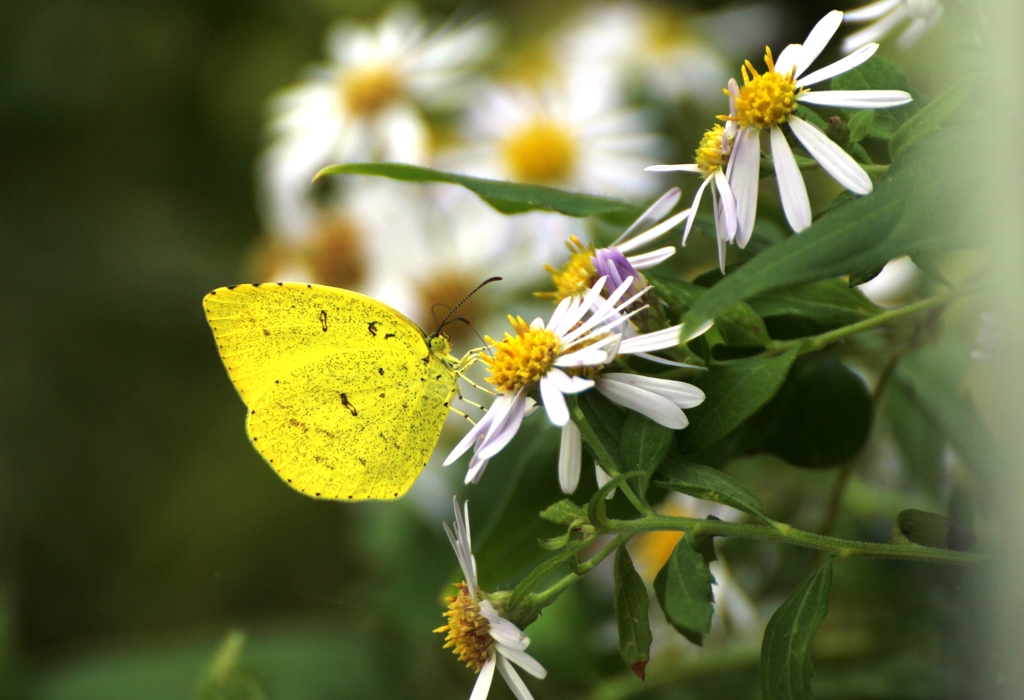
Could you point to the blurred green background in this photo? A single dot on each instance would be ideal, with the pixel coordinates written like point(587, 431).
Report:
point(137, 526)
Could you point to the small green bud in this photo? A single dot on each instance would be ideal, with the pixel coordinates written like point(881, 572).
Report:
point(838, 130)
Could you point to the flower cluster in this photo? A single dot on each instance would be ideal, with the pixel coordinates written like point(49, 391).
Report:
point(566, 119)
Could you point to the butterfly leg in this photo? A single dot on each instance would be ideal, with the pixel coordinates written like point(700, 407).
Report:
point(460, 413)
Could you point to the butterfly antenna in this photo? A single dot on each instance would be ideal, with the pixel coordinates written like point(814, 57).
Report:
point(456, 307)
point(433, 311)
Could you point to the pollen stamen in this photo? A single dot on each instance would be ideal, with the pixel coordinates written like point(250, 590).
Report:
point(468, 632)
point(766, 99)
point(521, 360)
point(576, 275)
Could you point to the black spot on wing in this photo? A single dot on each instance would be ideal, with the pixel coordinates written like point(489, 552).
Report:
point(345, 402)
point(372, 327)
point(323, 320)
point(389, 335)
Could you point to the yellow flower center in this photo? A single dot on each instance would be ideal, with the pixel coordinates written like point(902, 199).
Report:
point(768, 99)
point(368, 90)
point(542, 152)
point(521, 360)
point(709, 156)
point(468, 630)
point(576, 275)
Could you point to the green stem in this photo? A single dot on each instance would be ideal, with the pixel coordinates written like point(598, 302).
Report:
point(780, 532)
point(549, 595)
point(605, 458)
point(817, 342)
point(874, 169)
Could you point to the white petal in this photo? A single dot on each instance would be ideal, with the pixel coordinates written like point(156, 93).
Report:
point(870, 11)
point(484, 678)
point(839, 67)
point(645, 261)
point(525, 662)
point(560, 311)
point(515, 683)
point(856, 99)
point(568, 384)
point(792, 189)
point(722, 244)
point(818, 39)
point(501, 630)
point(875, 30)
point(499, 407)
point(728, 205)
point(502, 433)
point(656, 340)
point(913, 32)
point(682, 167)
point(600, 314)
point(655, 232)
point(787, 60)
point(657, 408)
point(579, 309)
point(475, 470)
point(744, 173)
point(655, 213)
point(668, 363)
point(693, 208)
point(603, 478)
point(680, 393)
point(554, 402)
point(587, 357)
point(570, 456)
point(833, 159)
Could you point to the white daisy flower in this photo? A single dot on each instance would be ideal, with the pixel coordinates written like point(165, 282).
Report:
point(367, 103)
point(621, 259)
point(886, 15)
point(711, 162)
point(476, 631)
point(583, 334)
point(660, 47)
point(574, 133)
point(770, 99)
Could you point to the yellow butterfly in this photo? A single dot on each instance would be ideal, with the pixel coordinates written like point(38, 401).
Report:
point(346, 396)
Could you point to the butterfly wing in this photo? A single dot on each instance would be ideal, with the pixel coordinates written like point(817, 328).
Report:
point(345, 400)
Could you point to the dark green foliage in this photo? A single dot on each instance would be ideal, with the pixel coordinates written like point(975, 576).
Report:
point(786, 668)
point(683, 587)
point(631, 614)
point(822, 415)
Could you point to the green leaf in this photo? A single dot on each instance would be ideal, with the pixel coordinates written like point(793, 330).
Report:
point(710, 484)
point(829, 303)
point(863, 276)
point(786, 668)
point(738, 325)
point(931, 117)
point(822, 415)
point(683, 587)
point(735, 391)
point(565, 512)
point(602, 429)
point(631, 614)
point(916, 206)
point(860, 125)
point(506, 197)
point(877, 73)
point(643, 444)
point(931, 530)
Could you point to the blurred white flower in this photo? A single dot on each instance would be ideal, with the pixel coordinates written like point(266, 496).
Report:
point(366, 104)
point(476, 631)
point(770, 99)
point(989, 336)
point(885, 16)
point(574, 133)
point(660, 47)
